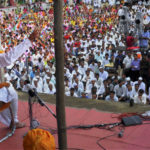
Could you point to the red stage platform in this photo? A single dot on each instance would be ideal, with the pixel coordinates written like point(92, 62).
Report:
point(134, 137)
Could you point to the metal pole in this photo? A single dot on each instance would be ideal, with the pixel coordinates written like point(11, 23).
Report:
point(30, 112)
point(59, 55)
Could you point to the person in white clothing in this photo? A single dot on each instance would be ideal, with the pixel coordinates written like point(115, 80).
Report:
point(141, 84)
point(129, 92)
point(37, 85)
point(120, 12)
point(45, 84)
point(71, 93)
point(87, 77)
point(127, 64)
point(77, 89)
point(8, 94)
point(8, 75)
point(52, 89)
point(135, 89)
point(120, 90)
point(11, 56)
point(51, 67)
point(106, 60)
point(91, 84)
point(111, 97)
point(36, 57)
point(140, 98)
point(128, 81)
point(20, 84)
point(103, 74)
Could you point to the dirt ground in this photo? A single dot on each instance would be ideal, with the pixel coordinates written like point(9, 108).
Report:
point(116, 107)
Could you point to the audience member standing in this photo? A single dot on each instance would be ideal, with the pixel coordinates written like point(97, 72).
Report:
point(135, 68)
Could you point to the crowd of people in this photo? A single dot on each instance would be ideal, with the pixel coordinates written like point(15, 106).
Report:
point(95, 67)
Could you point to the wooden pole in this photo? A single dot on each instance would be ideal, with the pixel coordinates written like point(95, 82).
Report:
point(2, 75)
point(59, 55)
point(1, 69)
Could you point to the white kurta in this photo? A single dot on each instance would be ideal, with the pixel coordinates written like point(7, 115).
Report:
point(9, 94)
point(8, 58)
point(139, 100)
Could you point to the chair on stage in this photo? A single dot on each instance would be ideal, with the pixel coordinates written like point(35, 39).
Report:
point(4, 106)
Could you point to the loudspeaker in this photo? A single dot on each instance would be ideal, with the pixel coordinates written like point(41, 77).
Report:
point(133, 120)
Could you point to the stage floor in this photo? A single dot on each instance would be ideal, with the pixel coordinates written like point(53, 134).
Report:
point(134, 137)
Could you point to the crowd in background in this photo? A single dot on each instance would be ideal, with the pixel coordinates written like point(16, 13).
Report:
point(95, 67)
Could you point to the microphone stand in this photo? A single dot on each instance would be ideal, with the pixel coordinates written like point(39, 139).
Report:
point(30, 113)
point(34, 123)
point(41, 102)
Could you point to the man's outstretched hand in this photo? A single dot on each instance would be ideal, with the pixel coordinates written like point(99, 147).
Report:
point(34, 35)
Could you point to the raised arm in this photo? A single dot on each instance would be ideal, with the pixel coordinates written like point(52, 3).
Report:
point(8, 58)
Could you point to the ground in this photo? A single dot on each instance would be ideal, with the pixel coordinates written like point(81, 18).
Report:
point(116, 107)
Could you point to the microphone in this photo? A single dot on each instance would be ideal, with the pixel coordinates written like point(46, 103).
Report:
point(120, 134)
point(31, 90)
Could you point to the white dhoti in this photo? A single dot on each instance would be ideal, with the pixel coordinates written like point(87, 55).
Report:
point(9, 95)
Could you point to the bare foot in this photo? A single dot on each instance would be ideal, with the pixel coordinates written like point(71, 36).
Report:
point(20, 125)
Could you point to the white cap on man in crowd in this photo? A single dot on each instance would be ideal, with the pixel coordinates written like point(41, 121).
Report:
point(101, 67)
point(74, 85)
point(35, 79)
point(93, 79)
point(140, 78)
point(128, 79)
point(47, 77)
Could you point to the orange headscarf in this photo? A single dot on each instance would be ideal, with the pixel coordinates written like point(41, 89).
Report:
point(39, 139)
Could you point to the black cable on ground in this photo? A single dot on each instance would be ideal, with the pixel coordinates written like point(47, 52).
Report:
point(120, 134)
point(100, 139)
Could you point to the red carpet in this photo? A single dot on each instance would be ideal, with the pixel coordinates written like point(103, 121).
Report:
point(134, 138)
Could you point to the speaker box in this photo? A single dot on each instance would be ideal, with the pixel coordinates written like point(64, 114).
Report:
point(130, 121)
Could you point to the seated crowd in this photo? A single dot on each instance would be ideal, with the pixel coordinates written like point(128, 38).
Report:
point(95, 67)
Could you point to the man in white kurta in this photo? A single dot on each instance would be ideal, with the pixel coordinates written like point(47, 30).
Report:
point(8, 58)
point(9, 94)
point(140, 98)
